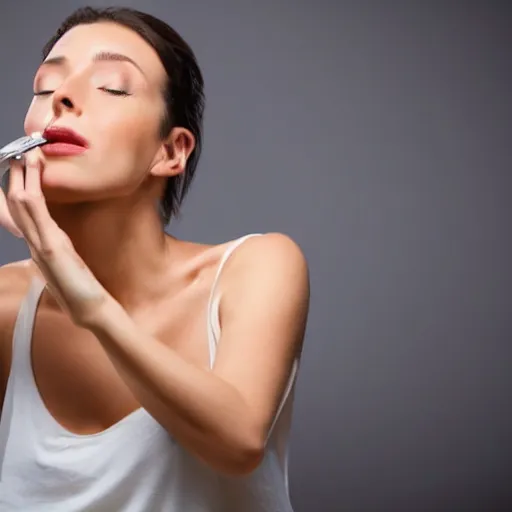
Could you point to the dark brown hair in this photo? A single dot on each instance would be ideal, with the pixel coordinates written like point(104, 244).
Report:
point(183, 93)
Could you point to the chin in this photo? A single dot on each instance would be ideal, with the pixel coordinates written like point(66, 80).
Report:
point(66, 191)
point(74, 190)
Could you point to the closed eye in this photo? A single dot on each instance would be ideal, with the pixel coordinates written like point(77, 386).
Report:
point(115, 92)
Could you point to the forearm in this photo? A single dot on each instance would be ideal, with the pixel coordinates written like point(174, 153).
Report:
point(205, 414)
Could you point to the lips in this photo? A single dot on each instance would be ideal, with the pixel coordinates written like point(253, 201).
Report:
point(63, 141)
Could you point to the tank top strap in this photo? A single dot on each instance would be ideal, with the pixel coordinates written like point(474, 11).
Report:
point(214, 300)
point(23, 329)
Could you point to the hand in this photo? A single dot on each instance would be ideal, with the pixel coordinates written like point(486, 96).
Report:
point(24, 212)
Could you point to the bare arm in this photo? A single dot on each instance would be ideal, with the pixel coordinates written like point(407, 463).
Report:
point(223, 416)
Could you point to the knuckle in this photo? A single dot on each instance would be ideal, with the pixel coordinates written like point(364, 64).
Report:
point(30, 199)
point(22, 197)
point(46, 251)
point(15, 196)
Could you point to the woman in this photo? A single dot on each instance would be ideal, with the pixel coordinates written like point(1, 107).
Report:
point(139, 372)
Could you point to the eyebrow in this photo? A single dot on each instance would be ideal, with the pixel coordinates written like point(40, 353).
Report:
point(99, 57)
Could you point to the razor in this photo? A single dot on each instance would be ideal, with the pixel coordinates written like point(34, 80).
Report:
point(16, 149)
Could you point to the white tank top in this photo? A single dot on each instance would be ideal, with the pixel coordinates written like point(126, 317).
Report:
point(133, 466)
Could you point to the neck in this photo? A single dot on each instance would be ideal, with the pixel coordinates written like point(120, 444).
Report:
point(123, 245)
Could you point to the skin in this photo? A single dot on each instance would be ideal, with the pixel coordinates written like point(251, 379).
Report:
point(122, 321)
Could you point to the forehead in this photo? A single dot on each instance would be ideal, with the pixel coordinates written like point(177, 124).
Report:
point(82, 42)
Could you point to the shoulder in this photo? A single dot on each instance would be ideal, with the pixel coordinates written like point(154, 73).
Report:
point(269, 248)
point(15, 279)
point(271, 260)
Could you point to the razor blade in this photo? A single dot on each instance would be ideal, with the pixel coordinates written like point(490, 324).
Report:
point(17, 148)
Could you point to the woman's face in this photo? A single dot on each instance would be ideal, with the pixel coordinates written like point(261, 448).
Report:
point(104, 82)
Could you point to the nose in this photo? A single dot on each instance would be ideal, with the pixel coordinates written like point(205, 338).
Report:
point(65, 99)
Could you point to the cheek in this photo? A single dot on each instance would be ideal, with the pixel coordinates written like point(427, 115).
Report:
point(30, 120)
point(120, 156)
point(38, 116)
point(123, 126)
point(130, 141)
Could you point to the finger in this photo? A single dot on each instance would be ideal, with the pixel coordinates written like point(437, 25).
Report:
point(47, 234)
point(36, 203)
point(17, 175)
point(6, 220)
point(22, 218)
point(17, 199)
point(33, 169)
point(34, 166)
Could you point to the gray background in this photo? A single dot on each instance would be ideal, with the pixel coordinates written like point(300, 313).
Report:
point(378, 136)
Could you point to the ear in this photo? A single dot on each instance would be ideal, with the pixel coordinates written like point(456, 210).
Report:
point(173, 154)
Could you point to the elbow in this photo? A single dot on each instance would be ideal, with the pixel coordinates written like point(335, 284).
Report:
point(249, 460)
point(238, 458)
point(244, 461)
point(249, 453)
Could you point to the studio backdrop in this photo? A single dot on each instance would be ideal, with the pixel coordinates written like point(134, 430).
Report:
point(377, 135)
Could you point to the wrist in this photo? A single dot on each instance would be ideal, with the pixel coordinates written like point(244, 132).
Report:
point(103, 316)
